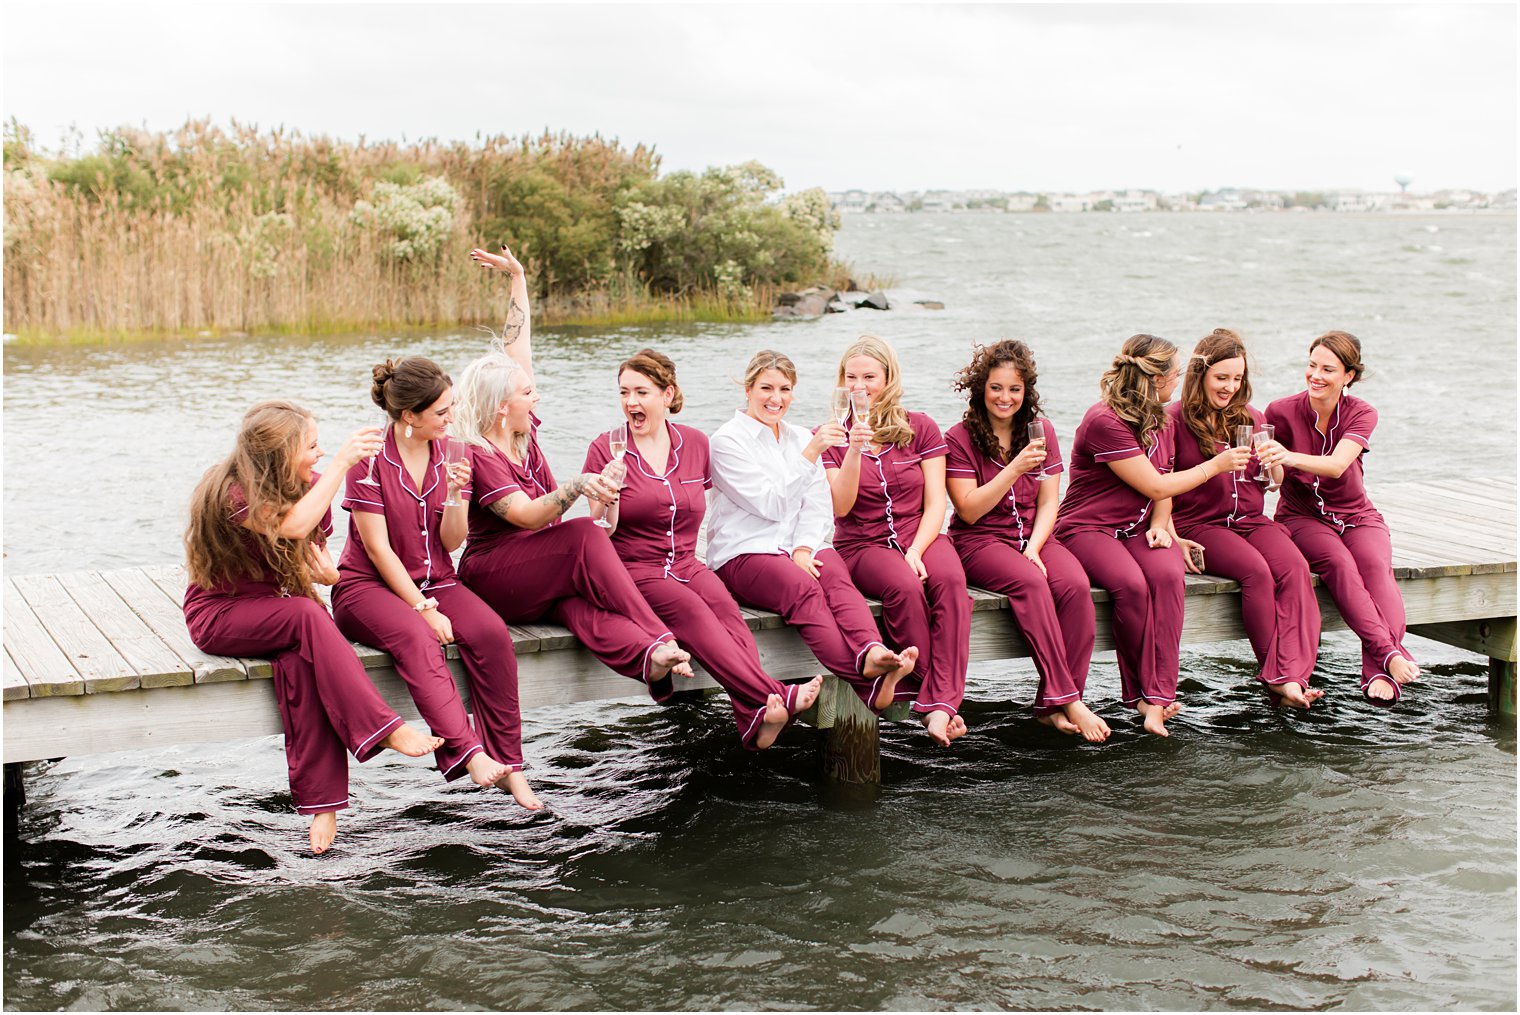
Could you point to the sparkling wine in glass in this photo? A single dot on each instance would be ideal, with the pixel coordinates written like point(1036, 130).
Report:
point(860, 408)
point(1265, 433)
point(455, 451)
point(840, 407)
point(1037, 437)
point(1243, 440)
point(617, 443)
point(384, 425)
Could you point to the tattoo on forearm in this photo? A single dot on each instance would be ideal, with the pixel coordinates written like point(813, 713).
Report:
point(503, 507)
point(517, 316)
point(565, 496)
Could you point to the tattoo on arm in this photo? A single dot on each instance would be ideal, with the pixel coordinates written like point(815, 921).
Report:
point(517, 316)
point(503, 506)
point(565, 496)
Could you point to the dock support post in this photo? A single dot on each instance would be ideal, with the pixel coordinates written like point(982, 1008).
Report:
point(15, 799)
point(1494, 637)
point(850, 745)
point(1501, 686)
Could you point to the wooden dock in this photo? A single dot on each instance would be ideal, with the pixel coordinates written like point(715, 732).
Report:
point(101, 661)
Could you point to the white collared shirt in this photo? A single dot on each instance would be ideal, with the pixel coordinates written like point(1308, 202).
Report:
point(766, 496)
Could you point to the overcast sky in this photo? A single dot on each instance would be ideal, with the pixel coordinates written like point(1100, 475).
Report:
point(1054, 97)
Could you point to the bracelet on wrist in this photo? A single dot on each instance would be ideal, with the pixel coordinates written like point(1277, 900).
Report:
point(426, 604)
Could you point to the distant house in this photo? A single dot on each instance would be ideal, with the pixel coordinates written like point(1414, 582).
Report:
point(937, 200)
point(851, 201)
point(1022, 202)
point(886, 201)
point(1228, 199)
point(1135, 200)
point(1068, 202)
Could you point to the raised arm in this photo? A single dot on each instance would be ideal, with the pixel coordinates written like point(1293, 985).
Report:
point(517, 332)
point(844, 482)
point(306, 513)
point(534, 513)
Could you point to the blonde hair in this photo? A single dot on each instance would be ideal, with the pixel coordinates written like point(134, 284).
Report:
point(890, 418)
point(765, 360)
point(486, 383)
point(1129, 386)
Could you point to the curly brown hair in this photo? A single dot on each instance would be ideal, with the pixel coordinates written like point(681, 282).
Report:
point(973, 380)
point(1208, 424)
point(1129, 386)
point(262, 467)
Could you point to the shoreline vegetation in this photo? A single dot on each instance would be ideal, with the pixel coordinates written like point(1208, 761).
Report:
point(204, 231)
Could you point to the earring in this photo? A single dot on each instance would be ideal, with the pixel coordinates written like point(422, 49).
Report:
point(409, 430)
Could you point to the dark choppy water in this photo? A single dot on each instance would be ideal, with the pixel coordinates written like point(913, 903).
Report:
point(1349, 858)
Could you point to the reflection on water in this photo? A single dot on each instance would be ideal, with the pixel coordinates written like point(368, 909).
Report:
point(1349, 857)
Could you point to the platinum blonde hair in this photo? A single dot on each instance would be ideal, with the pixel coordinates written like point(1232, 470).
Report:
point(483, 386)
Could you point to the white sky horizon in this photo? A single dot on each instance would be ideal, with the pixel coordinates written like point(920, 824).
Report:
point(1052, 98)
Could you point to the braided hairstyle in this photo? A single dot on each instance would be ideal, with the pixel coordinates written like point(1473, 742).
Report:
point(1129, 386)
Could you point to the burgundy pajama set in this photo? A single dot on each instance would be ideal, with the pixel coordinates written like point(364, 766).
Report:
point(1225, 514)
point(1342, 536)
point(369, 611)
point(874, 538)
point(1103, 523)
point(327, 703)
point(566, 571)
point(659, 516)
point(1055, 610)
point(768, 500)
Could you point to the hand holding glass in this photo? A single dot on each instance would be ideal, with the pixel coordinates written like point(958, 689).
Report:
point(1037, 437)
point(455, 451)
point(839, 405)
point(860, 408)
point(1264, 435)
point(385, 425)
point(1243, 440)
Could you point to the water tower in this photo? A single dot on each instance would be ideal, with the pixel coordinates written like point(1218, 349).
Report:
point(1403, 180)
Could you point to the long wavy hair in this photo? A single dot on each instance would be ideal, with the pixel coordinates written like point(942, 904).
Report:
point(262, 466)
point(1129, 386)
point(1210, 425)
point(887, 413)
point(973, 380)
point(485, 384)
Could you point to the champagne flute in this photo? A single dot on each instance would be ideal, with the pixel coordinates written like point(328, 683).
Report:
point(840, 406)
point(860, 408)
point(1243, 440)
point(1037, 436)
point(1266, 433)
point(617, 443)
point(384, 424)
point(455, 451)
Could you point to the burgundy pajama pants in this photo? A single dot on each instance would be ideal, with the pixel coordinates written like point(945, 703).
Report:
point(934, 615)
point(828, 611)
point(707, 623)
point(1277, 601)
point(327, 703)
point(1145, 589)
point(368, 611)
point(1357, 567)
point(571, 573)
point(1054, 612)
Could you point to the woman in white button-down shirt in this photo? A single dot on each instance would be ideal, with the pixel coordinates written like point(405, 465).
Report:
point(769, 527)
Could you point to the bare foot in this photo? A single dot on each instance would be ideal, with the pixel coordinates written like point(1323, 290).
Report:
point(682, 670)
point(775, 720)
point(1170, 710)
point(1155, 717)
point(943, 728)
point(1403, 670)
point(806, 694)
point(1294, 694)
point(1381, 688)
point(324, 829)
point(664, 660)
point(485, 770)
point(1059, 721)
point(908, 659)
point(879, 660)
point(1093, 729)
point(517, 784)
point(411, 742)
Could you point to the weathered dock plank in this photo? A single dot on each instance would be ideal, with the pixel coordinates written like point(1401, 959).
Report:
point(156, 664)
point(46, 669)
point(15, 683)
point(166, 618)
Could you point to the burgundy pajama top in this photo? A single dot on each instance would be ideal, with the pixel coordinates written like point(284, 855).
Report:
point(1012, 517)
point(1097, 500)
point(1234, 501)
point(890, 501)
point(494, 476)
point(412, 517)
point(660, 514)
point(263, 581)
point(1342, 502)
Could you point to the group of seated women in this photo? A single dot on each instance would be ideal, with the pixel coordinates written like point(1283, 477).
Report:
point(805, 522)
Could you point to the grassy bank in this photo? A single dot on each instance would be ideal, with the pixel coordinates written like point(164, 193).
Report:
point(206, 230)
